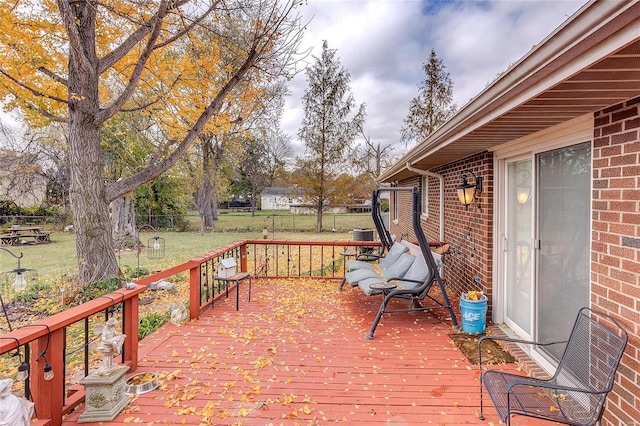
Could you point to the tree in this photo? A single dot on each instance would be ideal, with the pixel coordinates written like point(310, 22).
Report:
point(328, 130)
point(265, 146)
point(82, 63)
point(434, 104)
point(34, 163)
point(258, 109)
point(279, 151)
point(373, 157)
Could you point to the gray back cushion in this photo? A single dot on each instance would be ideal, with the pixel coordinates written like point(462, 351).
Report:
point(354, 277)
point(395, 252)
point(399, 267)
point(352, 265)
point(419, 271)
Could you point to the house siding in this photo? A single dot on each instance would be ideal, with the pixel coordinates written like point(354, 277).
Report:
point(615, 228)
point(468, 233)
point(615, 249)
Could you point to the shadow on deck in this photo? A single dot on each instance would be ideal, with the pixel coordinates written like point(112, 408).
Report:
point(296, 354)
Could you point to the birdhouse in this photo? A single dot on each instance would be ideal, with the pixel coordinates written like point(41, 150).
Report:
point(227, 267)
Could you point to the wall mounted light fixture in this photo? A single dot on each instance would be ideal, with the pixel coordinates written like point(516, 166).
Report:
point(467, 191)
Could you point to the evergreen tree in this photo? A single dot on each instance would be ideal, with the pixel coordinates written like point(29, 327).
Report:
point(329, 127)
point(434, 104)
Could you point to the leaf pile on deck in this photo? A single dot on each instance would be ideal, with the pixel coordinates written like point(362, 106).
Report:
point(281, 359)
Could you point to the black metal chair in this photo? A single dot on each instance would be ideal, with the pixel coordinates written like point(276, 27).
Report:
point(576, 393)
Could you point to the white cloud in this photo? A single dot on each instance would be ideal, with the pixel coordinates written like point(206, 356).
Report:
point(383, 44)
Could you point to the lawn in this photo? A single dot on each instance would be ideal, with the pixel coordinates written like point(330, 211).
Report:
point(285, 221)
point(58, 258)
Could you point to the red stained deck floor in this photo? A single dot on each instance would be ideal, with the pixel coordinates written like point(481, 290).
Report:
point(296, 354)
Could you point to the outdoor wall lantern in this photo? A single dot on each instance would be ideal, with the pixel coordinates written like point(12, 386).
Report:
point(20, 280)
point(523, 187)
point(467, 191)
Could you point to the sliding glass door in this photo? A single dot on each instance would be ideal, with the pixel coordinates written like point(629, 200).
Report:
point(563, 217)
point(546, 242)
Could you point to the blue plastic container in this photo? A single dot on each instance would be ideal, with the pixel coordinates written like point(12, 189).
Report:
point(474, 315)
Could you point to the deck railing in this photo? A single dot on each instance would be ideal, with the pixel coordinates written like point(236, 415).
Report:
point(54, 340)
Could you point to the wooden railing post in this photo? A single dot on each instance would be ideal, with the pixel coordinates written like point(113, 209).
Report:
point(48, 395)
point(131, 324)
point(243, 257)
point(194, 292)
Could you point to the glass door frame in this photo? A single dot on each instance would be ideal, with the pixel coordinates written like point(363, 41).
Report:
point(504, 253)
point(572, 132)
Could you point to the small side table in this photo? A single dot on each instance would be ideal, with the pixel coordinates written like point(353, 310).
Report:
point(237, 279)
point(384, 287)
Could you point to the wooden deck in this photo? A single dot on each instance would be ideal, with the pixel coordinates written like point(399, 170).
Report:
point(296, 354)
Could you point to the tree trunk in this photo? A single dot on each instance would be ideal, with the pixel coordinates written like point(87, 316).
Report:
point(214, 204)
point(319, 218)
point(96, 257)
point(205, 201)
point(123, 215)
point(94, 244)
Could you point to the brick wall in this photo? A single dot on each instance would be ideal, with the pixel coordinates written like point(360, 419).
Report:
point(615, 250)
point(469, 233)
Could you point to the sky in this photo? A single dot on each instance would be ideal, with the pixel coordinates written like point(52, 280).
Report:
point(384, 43)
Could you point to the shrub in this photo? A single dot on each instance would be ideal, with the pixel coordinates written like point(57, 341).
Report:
point(152, 322)
point(99, 288)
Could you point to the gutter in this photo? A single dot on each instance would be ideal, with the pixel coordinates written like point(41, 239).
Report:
point(441, 178)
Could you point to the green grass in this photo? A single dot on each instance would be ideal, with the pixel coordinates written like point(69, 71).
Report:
point(58, 258)
point(285, 221)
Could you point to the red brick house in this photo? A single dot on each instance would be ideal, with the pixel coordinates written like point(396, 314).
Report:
point(556, 226)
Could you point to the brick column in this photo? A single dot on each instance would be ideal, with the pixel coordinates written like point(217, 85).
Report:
point(615, 250)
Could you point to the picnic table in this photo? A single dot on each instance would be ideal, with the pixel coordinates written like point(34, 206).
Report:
point(16, 234)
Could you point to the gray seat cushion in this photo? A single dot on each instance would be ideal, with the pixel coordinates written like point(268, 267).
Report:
point(365, 285)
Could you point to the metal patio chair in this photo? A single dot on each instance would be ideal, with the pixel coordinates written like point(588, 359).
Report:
point(576, 393)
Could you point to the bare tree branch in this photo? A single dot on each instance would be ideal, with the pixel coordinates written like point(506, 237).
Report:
point(143, 30)
point(54, 76)
point(123, 186)
point(156, 25)
point(31, 89)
